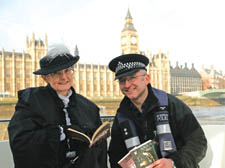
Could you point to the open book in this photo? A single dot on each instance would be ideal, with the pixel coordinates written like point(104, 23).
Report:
point(140, 156)
point(103, 132)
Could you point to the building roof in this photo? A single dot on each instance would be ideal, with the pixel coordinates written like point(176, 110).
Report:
point(17, 54)
point(128, 25)
point(179, 71)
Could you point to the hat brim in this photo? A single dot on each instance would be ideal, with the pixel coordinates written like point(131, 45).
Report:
point(58, 68)
point(127, 73)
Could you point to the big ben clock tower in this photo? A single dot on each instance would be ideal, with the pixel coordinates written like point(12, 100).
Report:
point(129, 38)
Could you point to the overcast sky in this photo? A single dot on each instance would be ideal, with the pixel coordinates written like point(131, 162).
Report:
point(192, 30)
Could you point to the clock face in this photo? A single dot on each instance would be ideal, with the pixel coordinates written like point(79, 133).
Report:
point(133, 40)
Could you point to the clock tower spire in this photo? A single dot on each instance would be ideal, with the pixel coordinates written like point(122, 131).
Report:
point(129, 38)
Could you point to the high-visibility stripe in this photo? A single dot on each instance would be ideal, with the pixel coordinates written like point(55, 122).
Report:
point(163, 129)
point(131, 142)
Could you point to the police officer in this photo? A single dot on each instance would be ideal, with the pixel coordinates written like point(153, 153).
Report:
point(148, 113)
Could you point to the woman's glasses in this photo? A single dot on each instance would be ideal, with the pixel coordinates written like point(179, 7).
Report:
point(58, 74)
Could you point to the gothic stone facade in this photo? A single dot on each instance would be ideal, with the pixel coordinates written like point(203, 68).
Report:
point(91, 80)
point(16, 68)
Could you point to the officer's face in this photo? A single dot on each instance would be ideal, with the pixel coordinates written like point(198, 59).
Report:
point(135, 86)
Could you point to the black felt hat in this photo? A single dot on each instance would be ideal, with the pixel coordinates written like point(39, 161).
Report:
point(128, 64)
point(57, 58)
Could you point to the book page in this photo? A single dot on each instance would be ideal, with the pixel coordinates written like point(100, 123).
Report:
point(79, 135)
point(102, 131)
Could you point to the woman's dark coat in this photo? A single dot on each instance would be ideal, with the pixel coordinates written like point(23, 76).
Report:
point(34, 133)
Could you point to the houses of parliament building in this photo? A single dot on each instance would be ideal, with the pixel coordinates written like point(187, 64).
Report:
point(91, 80)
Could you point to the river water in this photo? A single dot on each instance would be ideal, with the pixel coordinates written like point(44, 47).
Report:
point(204, 114)
point(210, 114)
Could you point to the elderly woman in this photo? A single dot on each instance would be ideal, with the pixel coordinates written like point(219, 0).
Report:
point(38, 129)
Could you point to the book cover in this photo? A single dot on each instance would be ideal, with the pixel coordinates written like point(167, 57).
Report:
point(141, 156)
point(103, 132)
point(127, 162)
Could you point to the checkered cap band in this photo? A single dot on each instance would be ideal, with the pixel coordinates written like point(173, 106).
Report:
point(128, 66)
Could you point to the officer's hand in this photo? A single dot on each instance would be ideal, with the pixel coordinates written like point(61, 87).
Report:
point(162, 163)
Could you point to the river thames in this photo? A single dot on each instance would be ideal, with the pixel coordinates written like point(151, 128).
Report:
point(205, 114)
point(209, 114)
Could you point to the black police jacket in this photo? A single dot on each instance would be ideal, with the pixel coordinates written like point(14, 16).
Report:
point(189, 137)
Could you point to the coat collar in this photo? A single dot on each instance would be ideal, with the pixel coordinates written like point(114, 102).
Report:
point(60, 102)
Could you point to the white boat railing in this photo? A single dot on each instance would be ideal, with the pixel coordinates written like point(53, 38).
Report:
point(216, 146)
point(6, 159)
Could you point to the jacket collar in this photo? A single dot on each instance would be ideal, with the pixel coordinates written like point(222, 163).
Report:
point(60, 102)
point(151, 101)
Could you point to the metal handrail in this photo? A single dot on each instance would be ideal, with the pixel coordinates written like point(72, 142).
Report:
point(106, 117)
point(5, 120)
